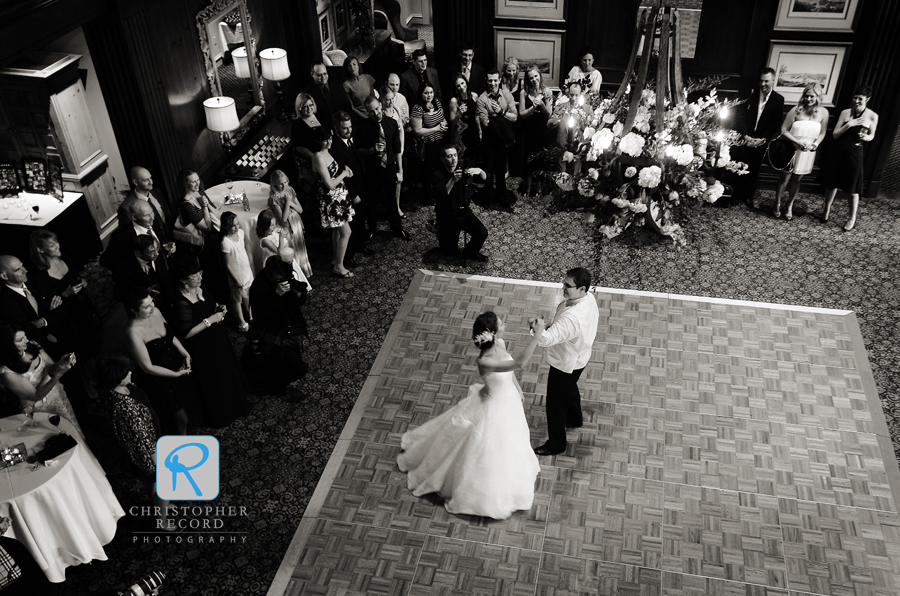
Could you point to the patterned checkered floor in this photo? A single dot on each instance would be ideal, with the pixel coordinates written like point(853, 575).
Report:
point(728, 448)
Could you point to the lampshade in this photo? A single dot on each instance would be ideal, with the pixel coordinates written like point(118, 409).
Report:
point(241, 66)
point(221, 115)
point(274, 64)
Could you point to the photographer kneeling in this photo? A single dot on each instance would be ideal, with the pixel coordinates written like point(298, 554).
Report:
point(274, 350)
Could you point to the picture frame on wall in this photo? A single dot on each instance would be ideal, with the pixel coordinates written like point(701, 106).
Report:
point(325, 31)
point(542, 47)
point(10, 180)
point(539, 10)
point(340, 17)
point(817, 15)
point(798, 64)
point(36, 176)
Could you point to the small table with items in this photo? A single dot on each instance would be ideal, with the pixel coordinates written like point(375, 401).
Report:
point(258, 195)
point(63, 514)
point(70, 219)
point(261, 153)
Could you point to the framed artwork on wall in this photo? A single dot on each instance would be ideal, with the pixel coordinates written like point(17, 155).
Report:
point(541, 10)
point(817, 15)
point(10, 180)
point(542, 47)
point(340, 17)
point(798, 64)
point(325, 31)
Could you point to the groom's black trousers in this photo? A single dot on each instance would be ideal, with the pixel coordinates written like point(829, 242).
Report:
point(563, 406)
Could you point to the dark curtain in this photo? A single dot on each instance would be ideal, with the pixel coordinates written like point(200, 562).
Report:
point(459, 21)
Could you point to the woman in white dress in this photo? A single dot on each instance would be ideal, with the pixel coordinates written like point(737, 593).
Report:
point(585, 70)
point(805, 125)
point(28, 372)
point(237, 263)
point(477, 454)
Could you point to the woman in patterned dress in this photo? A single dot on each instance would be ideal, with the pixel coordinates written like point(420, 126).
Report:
point(287, 210)
point(336, 208)
point(135, 424)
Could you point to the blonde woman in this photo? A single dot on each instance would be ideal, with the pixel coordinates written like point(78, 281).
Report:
point(805, 125)
point(509, 78)
point(287, 209)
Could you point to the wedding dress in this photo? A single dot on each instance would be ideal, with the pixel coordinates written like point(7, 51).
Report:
point(477, 455)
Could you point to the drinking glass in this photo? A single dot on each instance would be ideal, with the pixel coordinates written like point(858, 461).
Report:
point(29, 419)
point(36, 210)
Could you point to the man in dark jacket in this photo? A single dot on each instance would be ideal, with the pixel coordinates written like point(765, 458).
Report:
point(451, 207)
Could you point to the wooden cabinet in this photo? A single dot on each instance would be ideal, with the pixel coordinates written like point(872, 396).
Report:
point(44, 115)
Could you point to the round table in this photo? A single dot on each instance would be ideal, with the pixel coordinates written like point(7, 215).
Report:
point(258, 195)
point(63, 514)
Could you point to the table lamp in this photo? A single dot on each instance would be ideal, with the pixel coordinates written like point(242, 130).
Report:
point(241, 65)
point(221, 117)
point(275, 68)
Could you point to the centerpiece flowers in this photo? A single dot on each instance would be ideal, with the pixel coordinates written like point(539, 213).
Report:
point(648, 172)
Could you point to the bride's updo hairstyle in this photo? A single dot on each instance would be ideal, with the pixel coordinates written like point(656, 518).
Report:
point(484, 330)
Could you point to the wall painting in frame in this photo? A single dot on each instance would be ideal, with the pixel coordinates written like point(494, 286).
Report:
point(817, 15)
point(541, 10)
point(541, 47)
point(798, 64)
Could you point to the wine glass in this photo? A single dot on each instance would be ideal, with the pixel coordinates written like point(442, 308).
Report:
point(36, 209)
point(256, 176)
point(29, 419)
point(229, 184)
point(54, 420)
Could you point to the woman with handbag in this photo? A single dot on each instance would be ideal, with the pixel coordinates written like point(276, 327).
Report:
point(805, 126)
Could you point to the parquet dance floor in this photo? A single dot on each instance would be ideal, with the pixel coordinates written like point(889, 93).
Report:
point(728, 448)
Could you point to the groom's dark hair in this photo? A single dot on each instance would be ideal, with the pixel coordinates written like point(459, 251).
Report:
point(581, 277)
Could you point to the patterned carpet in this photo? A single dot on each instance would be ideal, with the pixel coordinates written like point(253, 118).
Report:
point(272, 459)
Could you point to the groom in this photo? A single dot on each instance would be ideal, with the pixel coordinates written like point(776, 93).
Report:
point(570, 338)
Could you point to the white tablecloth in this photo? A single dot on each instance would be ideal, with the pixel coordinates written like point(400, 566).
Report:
point(259, 200)
point(63, 514)
point(19, 211)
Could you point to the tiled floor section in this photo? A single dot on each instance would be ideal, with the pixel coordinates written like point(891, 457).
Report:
point(728, 448)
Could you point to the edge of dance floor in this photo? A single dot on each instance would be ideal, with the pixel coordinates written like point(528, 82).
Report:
point(291, 558)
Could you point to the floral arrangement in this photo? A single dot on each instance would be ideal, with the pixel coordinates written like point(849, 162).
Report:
point(645, 174)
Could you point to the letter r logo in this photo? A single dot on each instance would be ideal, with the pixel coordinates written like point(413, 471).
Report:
point(187, 468)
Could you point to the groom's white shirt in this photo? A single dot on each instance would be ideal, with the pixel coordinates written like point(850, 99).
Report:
point(570, 336)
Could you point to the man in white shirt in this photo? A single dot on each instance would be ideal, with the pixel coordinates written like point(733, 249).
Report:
point(400, 102)
point(570, 339)
point(497, 110)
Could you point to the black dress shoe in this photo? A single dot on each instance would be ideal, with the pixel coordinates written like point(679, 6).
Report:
point(546, 450)
point(403, 235)
point(481, 258)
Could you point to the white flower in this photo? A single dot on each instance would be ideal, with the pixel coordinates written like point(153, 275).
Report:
point(724, 157)
point(650, 177)
point(630, 172)
point(483, 338)
point(673, 196)
point(562, 99)
point(593, 173)
point(585, 188)
point(602, 139)
point(632, 144)
point(592, 155)
point(637, 207)
point(684, 155)
point(610, 231)
point(713, 193)
point(588, 133)
point(617, 129)
point(609, 118)
point(649, 96)
point(695, 109)
point(621, 203)
point(568, 157)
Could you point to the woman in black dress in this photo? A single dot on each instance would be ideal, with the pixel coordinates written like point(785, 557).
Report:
point(196, 209)
point(134, 422)
point(163, 365)
point(844, 168)
point(305, 144)
point(219, 380)
point(465, 128)
point(535, 107)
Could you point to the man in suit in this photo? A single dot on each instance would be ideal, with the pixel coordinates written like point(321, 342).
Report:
point(344, 151)
point(759, 120)
point(328, 100)
point(143, 270)
point(142, 189)
point(466, 67)
point(378, 142)
point(412, 79)
point(44, 319)
point(451, 207)
point(141, 220)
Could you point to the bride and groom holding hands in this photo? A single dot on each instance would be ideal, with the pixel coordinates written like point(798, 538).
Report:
point(477, 455)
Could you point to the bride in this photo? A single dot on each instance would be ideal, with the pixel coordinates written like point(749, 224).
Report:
point(477, 454)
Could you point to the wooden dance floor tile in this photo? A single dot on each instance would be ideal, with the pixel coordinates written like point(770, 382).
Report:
point(728, 448)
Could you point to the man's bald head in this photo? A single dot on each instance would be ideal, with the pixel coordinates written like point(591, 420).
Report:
point(12, 271)
point(141, 179)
